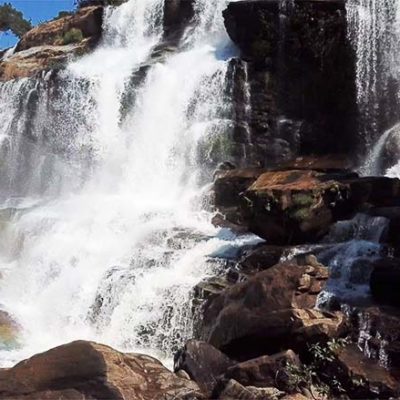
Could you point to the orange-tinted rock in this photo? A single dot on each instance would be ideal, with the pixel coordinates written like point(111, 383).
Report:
point(272, 311)
point(30, 62)
point(299, 206)
point(42, 48)
point(86, 370)
point(88, 20)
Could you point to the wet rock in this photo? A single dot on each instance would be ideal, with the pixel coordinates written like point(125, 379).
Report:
point(272, 311)
point(262, 371)
point(86, 370)
point(335, 163)
point(177, 15)
point(299, 206)
point(210, 287)
point(229, 184)
point(300, 71)
point(203, 363)
point(385, 281)
point(362, 377)
point(261, 258)
point(393, 215)
point(378, 335)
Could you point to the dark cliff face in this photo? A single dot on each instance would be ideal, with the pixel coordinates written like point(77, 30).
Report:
point(177, 14)
point(300, 72)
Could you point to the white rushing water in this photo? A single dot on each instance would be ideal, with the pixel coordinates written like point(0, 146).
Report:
point(374, 30)
point(103, 227)
point(353, 247)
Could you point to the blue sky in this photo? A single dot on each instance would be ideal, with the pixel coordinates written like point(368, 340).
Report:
point(37, 11)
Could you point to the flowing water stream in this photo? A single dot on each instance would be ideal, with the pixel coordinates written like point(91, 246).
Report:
point(104, 224)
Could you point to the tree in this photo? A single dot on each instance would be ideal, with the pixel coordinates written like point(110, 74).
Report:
point(13, 20)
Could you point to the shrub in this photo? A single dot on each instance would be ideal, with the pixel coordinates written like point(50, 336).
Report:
point(74, 35)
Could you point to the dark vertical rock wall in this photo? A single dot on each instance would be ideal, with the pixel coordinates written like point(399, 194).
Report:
point(300, 74)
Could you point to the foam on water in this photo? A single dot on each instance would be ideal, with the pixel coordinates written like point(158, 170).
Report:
point(108, 232)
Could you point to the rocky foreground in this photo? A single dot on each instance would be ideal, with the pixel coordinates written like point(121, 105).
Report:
point(261, 332)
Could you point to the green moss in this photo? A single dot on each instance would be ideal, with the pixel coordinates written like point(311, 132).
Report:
point(300, 214)
point(74, 35)
point(217, 147)
point(303, 199)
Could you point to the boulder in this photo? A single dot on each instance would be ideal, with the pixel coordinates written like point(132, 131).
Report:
point(362, 377)
point(85, 370)
point(262, 371)
point(229, 184)
point(299, 206)
point(261, 258)
point(204, 364)
point(385, 281)
point(272, 311)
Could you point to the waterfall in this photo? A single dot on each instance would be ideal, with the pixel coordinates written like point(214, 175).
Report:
point(105, 228)
point(373, 27)
point(354, 245)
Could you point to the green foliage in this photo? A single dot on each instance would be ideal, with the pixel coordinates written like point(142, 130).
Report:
point(63, 14)
point(309, 376)
point(13, 20)
point(74, 35)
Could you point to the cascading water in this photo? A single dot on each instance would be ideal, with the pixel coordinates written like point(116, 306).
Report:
point(104, 231)
point(353, 247)
point(373, 27)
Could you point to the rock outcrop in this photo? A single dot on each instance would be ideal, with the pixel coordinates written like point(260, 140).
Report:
point(48, 45)
point(299, 206)
point(204, 364)
point(262, 371)
point(299, 68)
point(85, 370)
point(88, 20)
point(271, 309)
